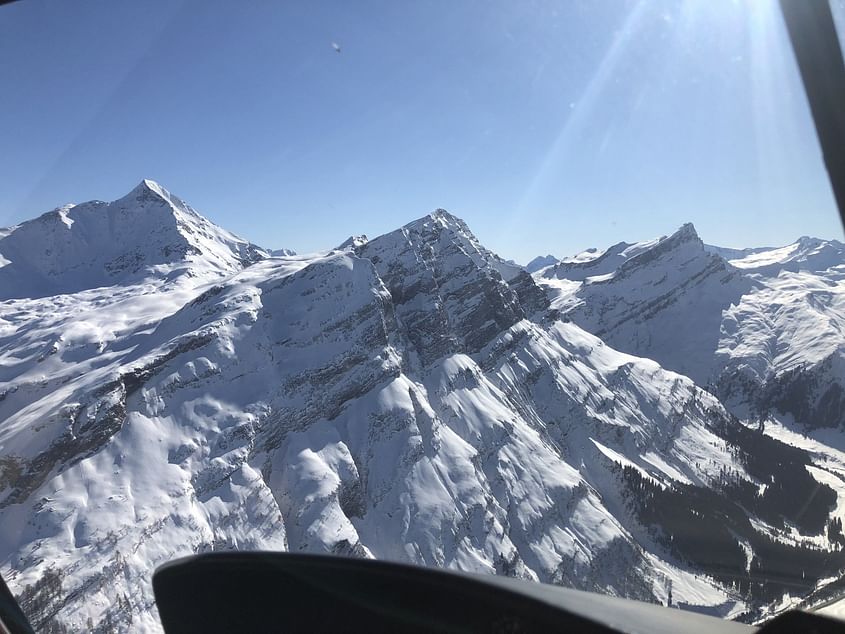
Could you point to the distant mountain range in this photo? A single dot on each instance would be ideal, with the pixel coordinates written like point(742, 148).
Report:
point(657, 419)
point(763, 329)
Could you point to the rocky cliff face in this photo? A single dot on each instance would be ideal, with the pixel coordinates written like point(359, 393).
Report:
point(448, 291)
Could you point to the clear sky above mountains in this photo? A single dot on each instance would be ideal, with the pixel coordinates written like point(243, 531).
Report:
point(548, 126)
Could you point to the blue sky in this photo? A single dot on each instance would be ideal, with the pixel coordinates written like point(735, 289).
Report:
point(548, 126)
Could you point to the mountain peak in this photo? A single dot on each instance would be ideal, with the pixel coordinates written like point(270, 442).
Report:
point(540, 262)
point(149, 231)
point(805, 254)
point(150, 184)
point(438, 220)
point(687, 232)
point(150, 191)
point(810, 241)
point(684, 243)
point(442, 218)
point(451, 293)
point(442, 214)
point(146, 187)
point(623, 257)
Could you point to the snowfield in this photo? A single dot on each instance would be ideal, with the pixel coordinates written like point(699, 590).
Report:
point(167, 388)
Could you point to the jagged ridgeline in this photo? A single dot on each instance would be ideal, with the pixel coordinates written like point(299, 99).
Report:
point(411, 397)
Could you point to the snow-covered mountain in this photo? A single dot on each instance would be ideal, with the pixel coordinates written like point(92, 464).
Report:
point(762, 329)
point(411, 397)
point(805, 254)
point(78, 247)
point(540, 262)
point(662, 299)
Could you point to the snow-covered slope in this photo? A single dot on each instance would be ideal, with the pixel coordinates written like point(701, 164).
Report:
point(732, 253)
point(661, 299)
point(763, 329)
point(806, 254)
point(411, 397)
point(790, 330)
point(595, 263)
point(78, 247)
